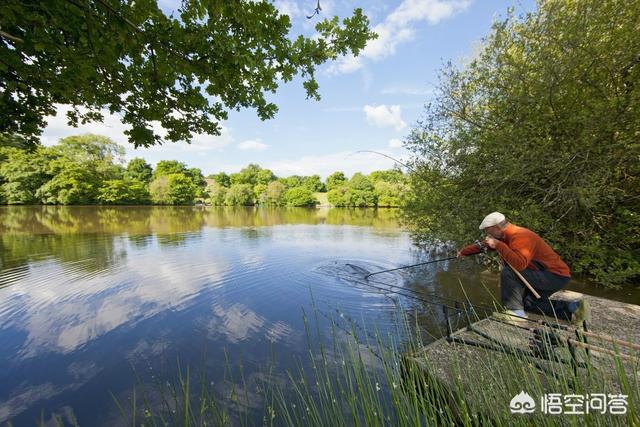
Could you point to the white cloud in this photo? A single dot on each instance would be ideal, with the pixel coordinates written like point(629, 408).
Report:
point(299, 10)
point(288, 7)
point(395, 143)
point(383, 116)
point(58, 128)
point(82, 310)
point(113, 127)
point(253, 145)
point(398, 27)
point(345, 65)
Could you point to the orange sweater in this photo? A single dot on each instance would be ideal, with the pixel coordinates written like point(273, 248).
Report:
point(520, 246)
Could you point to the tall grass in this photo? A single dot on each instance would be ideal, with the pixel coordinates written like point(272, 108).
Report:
point(364, 378)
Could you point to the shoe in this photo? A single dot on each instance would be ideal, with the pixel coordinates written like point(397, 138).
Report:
point(511, 317)
point(580, 311)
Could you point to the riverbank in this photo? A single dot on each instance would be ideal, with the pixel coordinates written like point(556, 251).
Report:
point(490, 367)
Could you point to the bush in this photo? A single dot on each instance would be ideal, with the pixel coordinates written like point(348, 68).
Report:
point(173, 189)
point(335, 180)
point(338, 196)
point(75, 185)
point(240, 195)
point(274, 195)
point(124, 192)
point(345, 196)
point(362, 198)
point(300, 196)
point(388, 194)
point(217, 194)
point(543, 126)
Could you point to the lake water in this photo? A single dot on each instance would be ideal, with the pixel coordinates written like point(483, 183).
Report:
point(95, 301)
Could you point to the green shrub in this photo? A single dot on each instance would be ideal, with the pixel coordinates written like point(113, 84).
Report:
point(300, 196)
point(124, 192)
point(173, 189)
point(240, 195)
point(543, 126)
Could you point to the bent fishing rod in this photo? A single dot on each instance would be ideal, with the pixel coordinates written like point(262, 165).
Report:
point(382, 154)
point(412, 294)
point(367, 282)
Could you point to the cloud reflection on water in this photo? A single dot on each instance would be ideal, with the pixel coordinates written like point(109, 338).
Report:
point(91, 292)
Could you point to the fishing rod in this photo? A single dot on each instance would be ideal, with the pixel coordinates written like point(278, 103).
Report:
point(385, 155)
point(603, 337)
point(535, 331)
point(431, 294)
point(539, 322)
point(386, 290)
point(410, 266)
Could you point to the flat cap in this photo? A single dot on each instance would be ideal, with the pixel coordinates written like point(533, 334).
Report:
point(494, 218)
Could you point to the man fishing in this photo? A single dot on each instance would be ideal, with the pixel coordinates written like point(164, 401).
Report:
point(526, 255)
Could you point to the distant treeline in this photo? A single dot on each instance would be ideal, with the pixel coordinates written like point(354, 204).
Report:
point(254, 185)
point(90, 169)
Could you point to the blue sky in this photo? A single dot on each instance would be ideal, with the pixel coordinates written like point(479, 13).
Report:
point(368, 103)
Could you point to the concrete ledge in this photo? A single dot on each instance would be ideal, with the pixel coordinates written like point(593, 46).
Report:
point(496, 358)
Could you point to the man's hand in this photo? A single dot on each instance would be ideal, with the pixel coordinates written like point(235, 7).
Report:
point(491, 242)
point(459, 255)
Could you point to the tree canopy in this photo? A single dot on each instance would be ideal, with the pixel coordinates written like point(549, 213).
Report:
point(183, 72)
point(543, 126)
point(90, 169)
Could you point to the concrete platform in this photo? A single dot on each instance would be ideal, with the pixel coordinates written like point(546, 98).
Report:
point(487, 363)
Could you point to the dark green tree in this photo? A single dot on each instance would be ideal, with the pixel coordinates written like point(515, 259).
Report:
point(300, 196)
point(124, 192)
point(217, 194)
point(274, 194)
point(335, 180)
point(168, 167)
point(16, 141)
point(184, 70)
point(22, 173)
point(313, 183)
point(140, 170)
point(173, 189)
point(73, 184)
point(543, 126)
point(221, 178)
point(240, 195)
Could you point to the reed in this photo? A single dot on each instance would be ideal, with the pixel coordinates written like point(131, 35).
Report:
point(365, 378)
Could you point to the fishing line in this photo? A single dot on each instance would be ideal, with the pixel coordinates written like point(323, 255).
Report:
point(457, 309)
point(442, 298)
point(414, 297)
point(430, 294)
point(407, 266)
point(381, 154)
